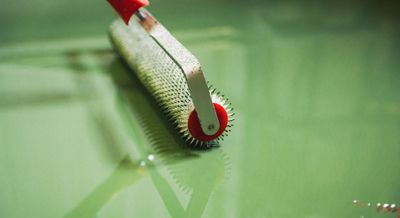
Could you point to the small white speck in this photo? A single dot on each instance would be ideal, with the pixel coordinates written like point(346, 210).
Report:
point(150, 157)
point(142, 163)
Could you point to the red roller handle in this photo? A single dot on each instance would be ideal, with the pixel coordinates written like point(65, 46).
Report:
point(126, 8)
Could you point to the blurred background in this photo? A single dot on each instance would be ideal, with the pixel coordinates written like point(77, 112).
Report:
point(315, 86)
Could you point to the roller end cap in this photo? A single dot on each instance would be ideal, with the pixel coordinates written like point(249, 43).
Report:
point(195, 127)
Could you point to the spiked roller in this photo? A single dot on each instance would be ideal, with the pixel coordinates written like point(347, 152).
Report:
point(171, 74)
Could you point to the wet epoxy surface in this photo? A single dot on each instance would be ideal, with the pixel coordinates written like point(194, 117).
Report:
point(316, 96)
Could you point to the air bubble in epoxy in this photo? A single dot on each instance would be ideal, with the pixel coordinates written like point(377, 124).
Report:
point(151, 157)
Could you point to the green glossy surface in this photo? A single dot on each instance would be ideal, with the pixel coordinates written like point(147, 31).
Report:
point(315, 88)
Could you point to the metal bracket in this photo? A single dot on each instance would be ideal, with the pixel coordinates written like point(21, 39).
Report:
point(191, 68)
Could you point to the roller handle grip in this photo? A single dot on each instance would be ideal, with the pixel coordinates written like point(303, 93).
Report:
point(126, 8)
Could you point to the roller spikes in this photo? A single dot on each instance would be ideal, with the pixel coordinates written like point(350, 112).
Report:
point(178, 117)
point(217, 98)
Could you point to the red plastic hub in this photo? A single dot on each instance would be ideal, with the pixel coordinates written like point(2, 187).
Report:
point(126, 8)
point(195, 128)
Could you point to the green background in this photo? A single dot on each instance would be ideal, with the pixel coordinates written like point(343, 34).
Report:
point(315, 86)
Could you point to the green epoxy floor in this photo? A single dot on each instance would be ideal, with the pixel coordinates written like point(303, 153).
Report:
point(315, 88)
